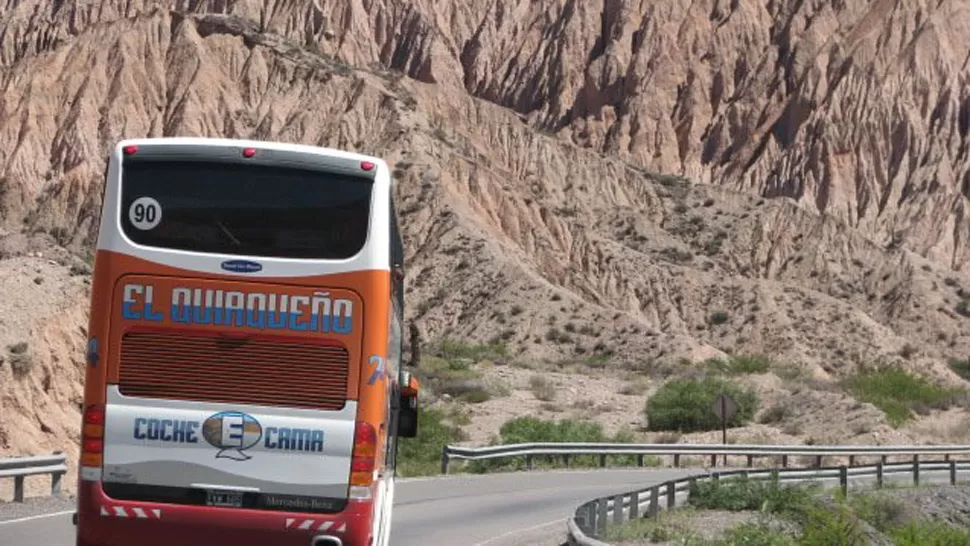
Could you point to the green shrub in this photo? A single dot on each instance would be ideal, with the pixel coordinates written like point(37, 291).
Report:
point(753, 534)
point(685, 405)
point(898, 393)
point(421, 456)
point(930, 533)
point(741, 493)
point(824, 527)
point(451, 349)
point(739, 365)
point(523, 430)
point(961, 367)
point(882, 511)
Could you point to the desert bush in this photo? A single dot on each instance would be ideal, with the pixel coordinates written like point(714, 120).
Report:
point(421, 456)
point(961, 367)
point(542, 388)
point(522, 430)
point(685, 405)
point(21, 361)
point(748, 494)
point(898, 393)
point(775, 414)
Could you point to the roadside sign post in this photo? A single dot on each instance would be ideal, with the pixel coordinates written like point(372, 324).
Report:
point(725, 409)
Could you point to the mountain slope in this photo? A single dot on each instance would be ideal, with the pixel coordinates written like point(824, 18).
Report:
point(604, 178)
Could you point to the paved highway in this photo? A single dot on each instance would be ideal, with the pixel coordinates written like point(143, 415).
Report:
point(486, 510)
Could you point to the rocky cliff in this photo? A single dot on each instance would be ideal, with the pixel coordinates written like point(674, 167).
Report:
point(637, 179)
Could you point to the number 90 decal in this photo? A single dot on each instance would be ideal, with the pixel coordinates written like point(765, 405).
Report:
point(145, 213)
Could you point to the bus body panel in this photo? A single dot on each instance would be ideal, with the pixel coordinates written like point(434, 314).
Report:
point(180, 439)
point(103, 521)
point(228, 448)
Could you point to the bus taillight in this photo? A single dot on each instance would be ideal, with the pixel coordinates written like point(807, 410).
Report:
point(92, 436)
point(364, 460)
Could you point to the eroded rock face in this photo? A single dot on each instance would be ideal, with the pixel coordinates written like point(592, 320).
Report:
point(527, 138)
point(860, 110)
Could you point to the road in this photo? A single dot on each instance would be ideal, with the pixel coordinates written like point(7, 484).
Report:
point(516, 509)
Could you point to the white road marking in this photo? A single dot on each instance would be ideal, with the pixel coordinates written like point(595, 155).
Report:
point(523, 530)
point(20, 520)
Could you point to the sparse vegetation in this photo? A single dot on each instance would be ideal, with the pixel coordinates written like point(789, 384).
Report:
point(532, 429)
point(775, 414)
point(421, 456)
point(740, 365)
point(21, 361)
point(685, 405)
point(542, 388)
point(719, 317)
point(451, 368)
point(455, 349)
point(961, 367)
point(899, 393)
point(792, 515)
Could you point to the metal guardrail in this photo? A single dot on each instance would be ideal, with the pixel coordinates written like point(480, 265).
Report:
point(591, 519)
point(19, 468)
point(566, 451)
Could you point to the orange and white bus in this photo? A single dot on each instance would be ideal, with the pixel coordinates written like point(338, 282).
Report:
point(244, 382)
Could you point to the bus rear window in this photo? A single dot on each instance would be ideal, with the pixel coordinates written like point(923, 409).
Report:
point(245, 209)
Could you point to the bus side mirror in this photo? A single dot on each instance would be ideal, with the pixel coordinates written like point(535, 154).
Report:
point(408, 418)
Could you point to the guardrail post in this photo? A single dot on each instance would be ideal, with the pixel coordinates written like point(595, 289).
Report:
point(640, 459)
point(444, 460)
point(953, 472)
point(784, 461)
point(654, 501)
point(566, 459)
point(818, 461)
point(580, 517)
point(916, 470)
point(750, 461)
point(879, 474)
point(602, 460)
point(634, 505)
point(528, 462)
point(618, 509)
point(672, 494)
point(56, 478)
point(844, 479)
point(713, 459)
point(676, 460)
point(851, 460)
point(601, 509)
point(18, 489)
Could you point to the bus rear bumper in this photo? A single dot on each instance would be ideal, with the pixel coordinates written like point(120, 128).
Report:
point(102, 521)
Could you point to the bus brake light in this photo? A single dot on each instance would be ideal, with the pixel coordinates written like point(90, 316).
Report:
point(367, 165)
point(249, 152)
point(364, 460)
point(92, 436)
point(130, 150)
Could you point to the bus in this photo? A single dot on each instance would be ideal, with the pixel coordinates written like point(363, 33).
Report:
point(243, 378)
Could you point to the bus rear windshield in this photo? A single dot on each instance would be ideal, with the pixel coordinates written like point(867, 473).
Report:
point(245, 210)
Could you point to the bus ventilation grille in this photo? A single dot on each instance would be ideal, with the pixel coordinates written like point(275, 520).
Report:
point(208, 368)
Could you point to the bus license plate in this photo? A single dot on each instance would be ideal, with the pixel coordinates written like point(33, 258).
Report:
point(232, 499)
